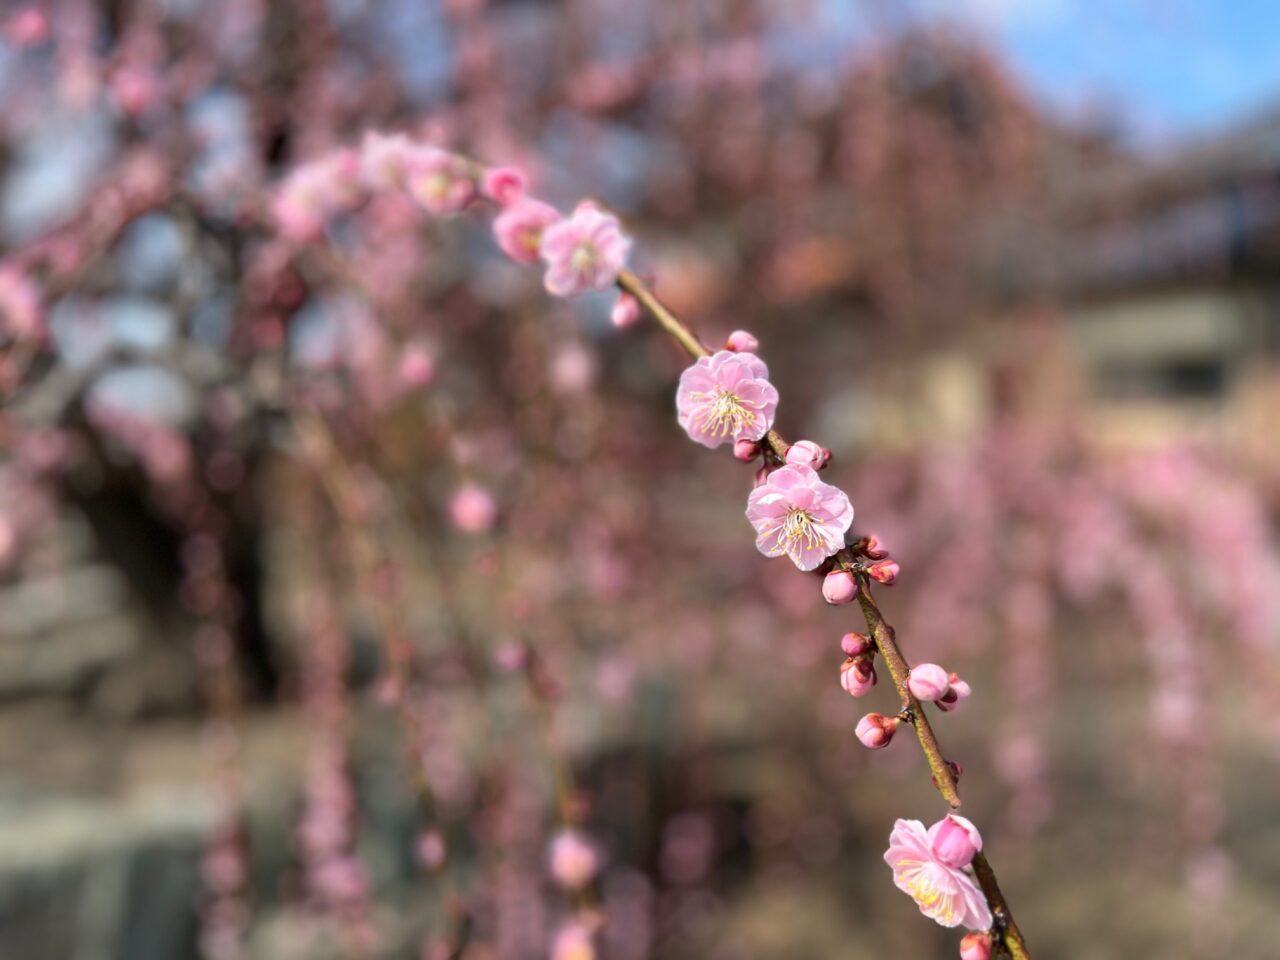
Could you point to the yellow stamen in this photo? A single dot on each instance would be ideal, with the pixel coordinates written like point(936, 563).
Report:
point(725, 415)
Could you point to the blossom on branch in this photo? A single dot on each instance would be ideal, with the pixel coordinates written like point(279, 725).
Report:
point(929, 866)
point(584, 252)
point(796, 514)
point(725, 398)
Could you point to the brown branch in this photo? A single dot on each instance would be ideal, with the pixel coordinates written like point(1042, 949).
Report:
point(1006, 932)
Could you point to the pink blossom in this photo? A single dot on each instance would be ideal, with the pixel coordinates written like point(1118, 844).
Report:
point(876, 730)
point(955, 841)
point(503, 185)
point(417, 368)
point(626, 311)
point(943, 892)
point(928, 682)
point(857, 677)
point(584, 252)
point(519, 228)
point(472, 509)
point(20, 315)
point(855, 644)
point(315, 192)
point(746, 450)
point(884, 571)
point(27, 27)
point(439, 180)
point(976, 946)
point(838, 587)
point(806, 453)
point(873, 548)
point(726, 397)
point(957, 691)
point(742, 342)
point(573, 942)
point(572, 859)
point(796, 514)
point(384, 160)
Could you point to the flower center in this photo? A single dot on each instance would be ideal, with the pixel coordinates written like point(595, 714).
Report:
point(726, 414)
point(437, 186)
point(584, 257)
point(799, 526)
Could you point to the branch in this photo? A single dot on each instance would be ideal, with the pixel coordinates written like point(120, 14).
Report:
point(1006, 930)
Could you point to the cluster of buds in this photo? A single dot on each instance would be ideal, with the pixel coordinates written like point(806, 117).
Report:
point(858, 672)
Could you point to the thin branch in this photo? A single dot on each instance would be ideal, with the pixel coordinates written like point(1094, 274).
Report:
point(1006, 930)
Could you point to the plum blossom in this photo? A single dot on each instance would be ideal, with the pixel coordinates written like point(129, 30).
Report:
point(929, 866)
point(439, 180)
point(584, 252)
point(796, 514)
point(726, 397)
point(472, 509)
point(519, 228)
point(384, 160)
point(503, 185)
point(572, 859)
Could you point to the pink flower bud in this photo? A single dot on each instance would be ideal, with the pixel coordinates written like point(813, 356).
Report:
point(806, 453)
point(957, 690)
point(742, 342)
point(572, 859)
point(976, 946)
point(746, 450)
point(954, 841)
point(472, 509)
point(874, 549)
point(857, 677)
point(883, 571)
point(928, 682)
point(417, 368)
point(503, 185)
point(839, 587)
point(875, 731)
point(855, 644)
point(626, 311)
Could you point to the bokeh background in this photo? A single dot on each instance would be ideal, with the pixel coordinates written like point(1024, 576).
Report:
point(336, 574)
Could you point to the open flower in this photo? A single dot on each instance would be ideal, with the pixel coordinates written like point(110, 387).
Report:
point(796, 514)
point(520, 226)
point(439, 180)
point(726, 397)
point(929, 867)
point(584, 252)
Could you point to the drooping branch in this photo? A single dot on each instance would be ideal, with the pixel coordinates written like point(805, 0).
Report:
point(882, 635)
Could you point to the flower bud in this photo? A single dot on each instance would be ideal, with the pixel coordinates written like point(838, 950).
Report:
point(417, 368)
point(839, 586)
point(625, 312)
point(746, 450)
point(957, 690)
point(806, 453)
point(855, 644)
point(857, 677)
point(976, 946)
point(883, 571)
point(954, 841)
point(572, 859)
point(874, 549)
point(928, 682)
point(742, 342)
point(503, 185)
point(875, 731)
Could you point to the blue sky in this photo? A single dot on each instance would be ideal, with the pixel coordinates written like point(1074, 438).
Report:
point(1171, 68)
